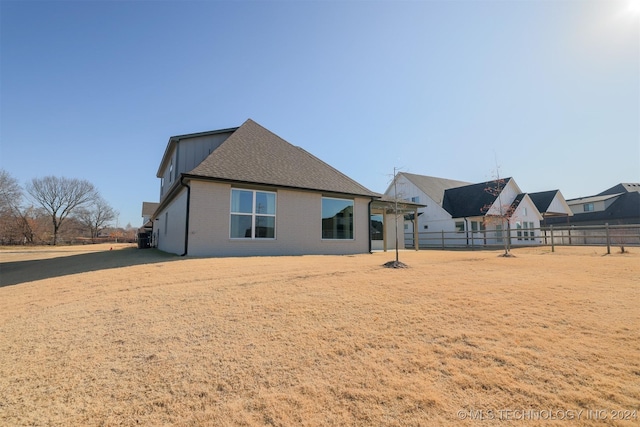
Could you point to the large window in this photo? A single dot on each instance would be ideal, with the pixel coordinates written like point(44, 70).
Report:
point(337, 218)
point(253, 214)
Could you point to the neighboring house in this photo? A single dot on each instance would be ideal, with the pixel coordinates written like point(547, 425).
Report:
point(428, 191)
point(488, 210)
point(551, 205)
point(461, 213)
point(619, 204)
point(245, 191)
point(145, 233)
point(148, 209)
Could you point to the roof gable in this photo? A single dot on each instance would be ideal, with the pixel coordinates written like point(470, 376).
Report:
point(253, 154)
point(543, 199)
point(523, 199)
point(432, 186)
point(473, 200)
point(550, 203)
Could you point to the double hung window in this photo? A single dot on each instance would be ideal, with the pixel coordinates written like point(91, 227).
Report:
point(253, 214)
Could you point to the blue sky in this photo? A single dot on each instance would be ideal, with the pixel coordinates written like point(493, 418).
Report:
point(548, 90)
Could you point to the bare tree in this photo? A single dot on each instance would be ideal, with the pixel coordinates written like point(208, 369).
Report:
point(505, 211)
point(10, 192)
point(394, 206)
point(96, 217)
point(10, 207)
point(60, 197)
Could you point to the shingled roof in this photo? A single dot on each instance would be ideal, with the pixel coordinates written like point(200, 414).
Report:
point(432, 186)
point(543, 199)
point(627, 187)
point(253, 154)
point(471, 200)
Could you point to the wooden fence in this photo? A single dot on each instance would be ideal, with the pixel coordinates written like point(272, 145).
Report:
point(575, 235)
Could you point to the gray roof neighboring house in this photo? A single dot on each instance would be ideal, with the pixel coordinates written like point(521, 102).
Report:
point(592, 199)
point(432, 186)
point(253, 154)
point(622, 206)
point(621, 188)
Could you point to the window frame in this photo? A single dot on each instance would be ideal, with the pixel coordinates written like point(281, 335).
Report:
point(353, 222)
point(254, 215)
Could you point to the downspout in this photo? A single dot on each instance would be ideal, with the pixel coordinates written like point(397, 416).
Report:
point(370, 230)
point(466, 229)
point(186, 222)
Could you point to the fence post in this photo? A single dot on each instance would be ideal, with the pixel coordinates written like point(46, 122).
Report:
point(553, 245)
point(606, 228)
point(442, 239)
point(570, 240)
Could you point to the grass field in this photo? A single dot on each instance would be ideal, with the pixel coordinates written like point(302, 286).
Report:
point(97, 337)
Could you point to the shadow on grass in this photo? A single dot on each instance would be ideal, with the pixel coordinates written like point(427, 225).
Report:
point(14, 273)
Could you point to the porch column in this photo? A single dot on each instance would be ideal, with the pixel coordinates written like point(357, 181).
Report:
point(384, 230)
point(416, 244)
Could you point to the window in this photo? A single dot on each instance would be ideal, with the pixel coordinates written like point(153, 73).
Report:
point(588, 207)
point(459, 226)
point(337, 218)
point(171, 171)
point(253, 214)
point(415, 199)
point(531, 233)
point(377, 227)
point(519, 230)
point(477, 226)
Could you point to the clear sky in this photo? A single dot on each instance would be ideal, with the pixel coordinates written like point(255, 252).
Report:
point(548, 90)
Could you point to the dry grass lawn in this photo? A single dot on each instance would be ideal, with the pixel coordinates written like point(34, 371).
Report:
point(97, 337)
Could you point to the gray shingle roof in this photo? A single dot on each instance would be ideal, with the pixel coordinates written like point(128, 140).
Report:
point(621, 188)
point(432, 186)
point(148, 208)
point(253, 154)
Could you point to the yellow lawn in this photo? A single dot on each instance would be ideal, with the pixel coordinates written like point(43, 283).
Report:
point(98, 337)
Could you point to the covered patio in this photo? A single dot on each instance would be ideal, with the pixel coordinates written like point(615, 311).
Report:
point(387, 215)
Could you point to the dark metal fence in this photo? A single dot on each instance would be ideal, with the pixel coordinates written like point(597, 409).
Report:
point(589, 235)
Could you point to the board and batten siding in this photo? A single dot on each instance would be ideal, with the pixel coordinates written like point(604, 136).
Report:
point(192, 151)
point(298, 224)
point(186, 154)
